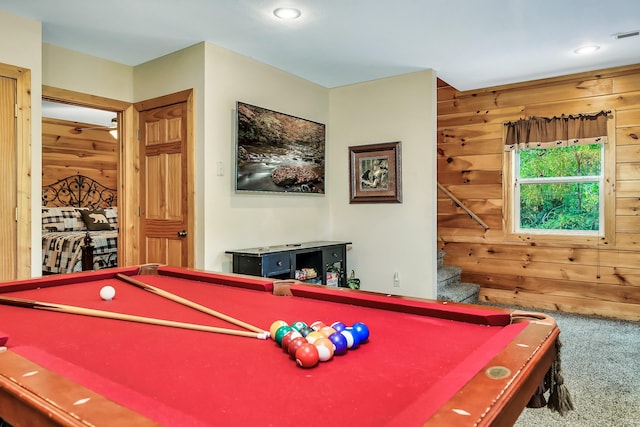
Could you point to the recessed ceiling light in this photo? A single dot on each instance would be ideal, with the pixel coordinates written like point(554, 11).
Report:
point(586, 49)
point(287, 13)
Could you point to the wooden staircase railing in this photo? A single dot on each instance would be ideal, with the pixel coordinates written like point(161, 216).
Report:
point(461, 205)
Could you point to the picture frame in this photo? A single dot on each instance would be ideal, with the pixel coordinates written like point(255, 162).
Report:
point(278, 153)
point(375, 173)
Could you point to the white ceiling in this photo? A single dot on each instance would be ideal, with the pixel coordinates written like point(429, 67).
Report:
point(470, 43)
point(75, 113)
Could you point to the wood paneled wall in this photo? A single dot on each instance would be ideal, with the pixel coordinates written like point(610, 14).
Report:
point(66, 151)
point(601, 278)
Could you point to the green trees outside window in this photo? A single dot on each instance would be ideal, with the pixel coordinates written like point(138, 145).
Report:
point(560, 188)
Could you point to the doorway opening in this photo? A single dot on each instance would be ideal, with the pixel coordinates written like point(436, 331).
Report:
point(82, 137)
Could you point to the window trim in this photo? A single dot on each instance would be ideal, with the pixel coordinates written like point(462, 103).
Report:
point(606, 234)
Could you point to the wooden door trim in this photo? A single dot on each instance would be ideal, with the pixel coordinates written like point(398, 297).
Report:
point(23, 166)
point(186, 96)
point(86, 100)
point(129, 163)
point(126, 212)
point(165, 100)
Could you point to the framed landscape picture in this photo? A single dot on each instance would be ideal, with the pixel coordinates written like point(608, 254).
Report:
point(277, 152)
point(375, 173)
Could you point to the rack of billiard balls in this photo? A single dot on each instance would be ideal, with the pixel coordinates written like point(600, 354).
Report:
point(317, 342)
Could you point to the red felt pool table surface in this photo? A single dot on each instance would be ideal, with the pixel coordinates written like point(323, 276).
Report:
point(425, 361)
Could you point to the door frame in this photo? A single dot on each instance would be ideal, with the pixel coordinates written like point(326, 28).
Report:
point(125, 112)
point(133, 152)
point(129, 237)
point(23, 167)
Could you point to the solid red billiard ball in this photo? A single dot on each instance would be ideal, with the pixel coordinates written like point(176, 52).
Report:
point(281, 332)
point(290, 336)
point(307, 356)
point(294, 345)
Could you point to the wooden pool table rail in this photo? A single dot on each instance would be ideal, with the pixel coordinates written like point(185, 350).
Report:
point(33, 396)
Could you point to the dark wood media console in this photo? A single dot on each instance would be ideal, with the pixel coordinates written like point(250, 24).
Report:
point(294, 261)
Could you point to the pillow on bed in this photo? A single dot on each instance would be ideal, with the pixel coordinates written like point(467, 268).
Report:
point(95, 219)
point(112, 216)
point(62, 218)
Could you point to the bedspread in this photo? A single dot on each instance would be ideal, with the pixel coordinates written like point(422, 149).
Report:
point(62, 250)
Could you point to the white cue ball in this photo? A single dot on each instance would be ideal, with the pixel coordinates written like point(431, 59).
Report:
point(107, 293)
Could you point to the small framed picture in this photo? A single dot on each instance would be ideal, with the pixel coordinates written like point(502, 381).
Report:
point(375, 173)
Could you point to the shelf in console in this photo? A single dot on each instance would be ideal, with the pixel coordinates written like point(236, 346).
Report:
point(283, 260)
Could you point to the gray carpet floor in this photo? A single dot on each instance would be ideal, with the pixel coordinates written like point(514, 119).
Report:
point(601, 366)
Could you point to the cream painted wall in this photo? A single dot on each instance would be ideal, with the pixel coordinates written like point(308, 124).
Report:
point(20, 40)
point(170, 74)
point(238, 220)
point(71, 70)
point(388, 238)
point(20, 45)
point(226, 220)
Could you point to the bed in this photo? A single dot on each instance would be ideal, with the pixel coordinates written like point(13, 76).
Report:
point(79, 226)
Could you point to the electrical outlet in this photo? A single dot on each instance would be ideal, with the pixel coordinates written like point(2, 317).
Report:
point(396, 280)
point(220, 168)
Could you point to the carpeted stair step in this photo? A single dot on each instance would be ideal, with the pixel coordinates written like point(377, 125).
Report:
point(448, 275)
point(449, 286)
point(459, 292)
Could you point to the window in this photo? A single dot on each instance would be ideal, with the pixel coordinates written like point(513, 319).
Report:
point(559, 190)
point(559, 178)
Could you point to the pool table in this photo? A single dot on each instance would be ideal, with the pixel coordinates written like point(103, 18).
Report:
point(425, 363)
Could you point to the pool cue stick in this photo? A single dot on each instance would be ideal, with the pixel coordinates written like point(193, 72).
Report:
point(70, 309)
point(188, 303)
